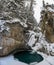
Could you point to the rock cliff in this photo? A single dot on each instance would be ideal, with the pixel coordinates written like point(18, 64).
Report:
point(47, 22)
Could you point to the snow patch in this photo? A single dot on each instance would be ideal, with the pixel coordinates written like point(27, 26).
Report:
point(9, 60)
point(50, 9)
point(38, 7)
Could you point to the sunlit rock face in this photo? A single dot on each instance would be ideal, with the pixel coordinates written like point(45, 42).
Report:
point(47, 21)
point(15, 20)
point(13, 39)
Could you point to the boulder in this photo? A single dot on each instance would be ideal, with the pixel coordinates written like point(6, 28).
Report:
point(12, 40)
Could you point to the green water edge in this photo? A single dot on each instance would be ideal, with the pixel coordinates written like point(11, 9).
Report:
point(27, 57)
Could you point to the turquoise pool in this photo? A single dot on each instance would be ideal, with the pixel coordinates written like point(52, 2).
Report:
point(27, 57)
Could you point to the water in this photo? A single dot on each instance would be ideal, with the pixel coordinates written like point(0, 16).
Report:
point(27, 57)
